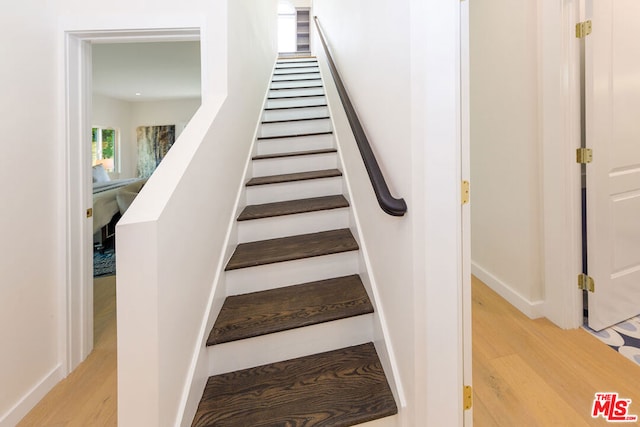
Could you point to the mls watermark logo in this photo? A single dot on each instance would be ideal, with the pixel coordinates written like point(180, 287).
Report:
point(612, 408)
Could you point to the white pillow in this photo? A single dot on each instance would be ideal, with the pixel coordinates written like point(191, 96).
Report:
point(99, 174)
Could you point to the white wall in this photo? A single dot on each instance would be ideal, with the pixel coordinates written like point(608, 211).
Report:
point(33, 284)
point(30, 243)
point(385, 52)
point(506, 151)
point(127, 116)
point(371, 45)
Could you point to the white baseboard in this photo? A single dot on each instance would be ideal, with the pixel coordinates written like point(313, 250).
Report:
point(31, 398)
point(532, 309)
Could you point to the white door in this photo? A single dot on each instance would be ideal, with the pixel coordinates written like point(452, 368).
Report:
point(613, 178)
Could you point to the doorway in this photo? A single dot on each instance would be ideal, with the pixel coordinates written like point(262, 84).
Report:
point(79, 206)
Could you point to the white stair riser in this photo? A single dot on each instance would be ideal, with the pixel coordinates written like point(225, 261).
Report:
point(292, 225)
point(284, 93)
point(259, 194)
point(280, 165)
point(296, 102)
point(293, 77)
point(295, 113)
point(279, 85)
point(295, 128)
point(298, 63)
point(295, 60)
point(276, 347)
point(292, 145)
point(296, 71)
point(308, 77)
point(391, 421)
point(277, 275)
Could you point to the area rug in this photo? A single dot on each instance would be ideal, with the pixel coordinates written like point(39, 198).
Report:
point(104, 264)
point(623, 337)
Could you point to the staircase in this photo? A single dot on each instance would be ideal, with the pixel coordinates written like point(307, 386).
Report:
point(292, 343)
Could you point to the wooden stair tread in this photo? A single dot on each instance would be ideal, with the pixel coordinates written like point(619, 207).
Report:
point(297, 80)
point(291, 248)
point(296, 87)
point(313, 95)
point(294, 154)
point(297, 64)
point(295, 135)
point(291, 177)
point(293, 107)
point(338, 388)
point(302, 119)
point(291, 207)
point(282, 309)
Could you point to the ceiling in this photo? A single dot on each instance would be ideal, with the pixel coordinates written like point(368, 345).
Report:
point(153, 70)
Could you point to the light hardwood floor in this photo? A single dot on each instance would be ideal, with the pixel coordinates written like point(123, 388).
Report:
point(526, 372)
point(87, 397)
point(531, 373)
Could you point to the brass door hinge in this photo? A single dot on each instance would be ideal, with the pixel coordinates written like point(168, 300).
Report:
point(584, 155)
point(465, 192)
point(467, 397)
point(89, 212)
point(583, 29)
point(586, 283)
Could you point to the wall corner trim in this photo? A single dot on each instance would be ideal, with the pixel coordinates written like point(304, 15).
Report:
point(531, 309)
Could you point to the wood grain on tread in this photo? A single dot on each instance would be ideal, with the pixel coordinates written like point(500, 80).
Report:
point(339, 388)
point(295, 96)
point(297, 64)
point(282, 309)
point(299, 73)
point(291, 177)
point(297, 80)
point(294, 154)
point(296, 87)
point(293, 107)
point(292, 248)
point(291, 207)
point(302, 119)
point(296, 135)
point(282, 61)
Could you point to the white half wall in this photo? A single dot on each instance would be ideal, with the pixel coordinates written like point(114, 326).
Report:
point(506, 178)
point(174, 238)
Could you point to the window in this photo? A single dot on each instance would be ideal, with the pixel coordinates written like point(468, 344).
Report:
point(104, 143)
point(286, 27)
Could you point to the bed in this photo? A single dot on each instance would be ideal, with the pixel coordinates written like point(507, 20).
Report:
point(111, 196)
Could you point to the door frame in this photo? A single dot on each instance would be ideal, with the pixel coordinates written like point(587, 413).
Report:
point(465, 214)
point(559, 112)
point(76, 341)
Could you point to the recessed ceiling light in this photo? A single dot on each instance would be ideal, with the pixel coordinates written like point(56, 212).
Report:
point(138, 94)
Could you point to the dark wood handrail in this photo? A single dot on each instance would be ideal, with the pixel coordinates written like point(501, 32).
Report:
point(388, 203)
